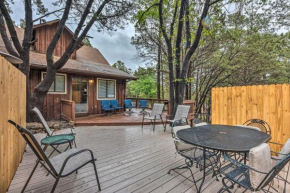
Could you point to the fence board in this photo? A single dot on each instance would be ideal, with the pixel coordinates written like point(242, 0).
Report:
point(13, 106)
point(236, 105)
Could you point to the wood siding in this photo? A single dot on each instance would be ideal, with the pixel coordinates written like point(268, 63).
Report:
point(271, 103)
point(44, 35)
point(52, 102)
point(13, 106)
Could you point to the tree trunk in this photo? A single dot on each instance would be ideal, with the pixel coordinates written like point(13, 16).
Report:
point(171, 83)
point(36, 99)
point(191, 51)
point(158, 70)
point(162, 78)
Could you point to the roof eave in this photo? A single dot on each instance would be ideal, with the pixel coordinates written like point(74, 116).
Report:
point(81, 72)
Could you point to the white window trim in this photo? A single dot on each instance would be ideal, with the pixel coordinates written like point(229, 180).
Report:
point(98, 89)
point(65, 83)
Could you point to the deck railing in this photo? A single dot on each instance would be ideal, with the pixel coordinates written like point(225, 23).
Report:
point(150, 101)
point(68, 110)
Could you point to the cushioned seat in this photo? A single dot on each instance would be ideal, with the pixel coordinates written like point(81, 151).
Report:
point(249, 127)
point(72, 164)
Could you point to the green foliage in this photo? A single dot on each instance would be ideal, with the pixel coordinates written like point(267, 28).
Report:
point(22, 23)
point(142, 88)
point(145, 86)
point(87, 42)
point(121, 66)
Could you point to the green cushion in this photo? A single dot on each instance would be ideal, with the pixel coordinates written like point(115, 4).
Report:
point(57, 139)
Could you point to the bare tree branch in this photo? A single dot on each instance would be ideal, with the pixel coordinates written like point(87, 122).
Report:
point(8, 45)
point(10, 27)
point(53, 43)
point(47, 15)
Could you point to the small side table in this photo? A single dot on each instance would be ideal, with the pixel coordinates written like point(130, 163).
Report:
point(57, 140)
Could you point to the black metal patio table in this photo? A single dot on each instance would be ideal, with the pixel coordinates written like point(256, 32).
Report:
point(223, 138)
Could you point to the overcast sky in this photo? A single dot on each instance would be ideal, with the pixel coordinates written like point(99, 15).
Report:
point(114, 47)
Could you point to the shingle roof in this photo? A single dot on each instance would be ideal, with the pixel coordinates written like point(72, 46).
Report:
point(89, 61)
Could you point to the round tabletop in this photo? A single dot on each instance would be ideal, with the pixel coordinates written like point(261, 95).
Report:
point(57, 139)
point(223, 137)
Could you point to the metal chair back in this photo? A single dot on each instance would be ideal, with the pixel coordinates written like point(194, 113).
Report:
point(196, 121)
point(128, 103)
point(181, 112)
point(105, 104)
point(157, 109)
point(42, 120)
point(33, 144)
point(114, 103)
point(263, 125)
point(274, 172)
point(142, 103)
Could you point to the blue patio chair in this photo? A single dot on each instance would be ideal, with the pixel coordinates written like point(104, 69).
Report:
point(106, 106)
point(143, 105)
point(129, 106)
point(115, 105)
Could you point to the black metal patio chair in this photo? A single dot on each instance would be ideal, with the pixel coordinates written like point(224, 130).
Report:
point(193, 155)
point(48, 131)
point(61, 165)
point(258, 175)
point(261, 124)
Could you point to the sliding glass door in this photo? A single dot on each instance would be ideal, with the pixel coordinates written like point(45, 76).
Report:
point(80, 94)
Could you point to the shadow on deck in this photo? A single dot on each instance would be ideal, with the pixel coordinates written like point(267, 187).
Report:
point(121, 119)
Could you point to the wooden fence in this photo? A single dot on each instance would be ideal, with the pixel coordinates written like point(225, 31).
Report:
point(13, 106)
point(235, 105)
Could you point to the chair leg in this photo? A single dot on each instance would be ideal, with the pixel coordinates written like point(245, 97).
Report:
point(75, 143)
point(154, 125)
point(97, 177)
point(142, 121)
point(23, 189)
point(162, 122)
point(165, 126)
point(55, 184)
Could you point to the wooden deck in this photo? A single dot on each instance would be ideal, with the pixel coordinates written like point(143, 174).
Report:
point(121, 119)
point(130, 159)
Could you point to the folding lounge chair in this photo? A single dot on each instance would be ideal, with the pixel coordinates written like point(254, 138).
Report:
point(156, 114)
point(106, 106)
point(180, 115)
point(61, 165)
point(129, 106)
point(48, 131)
point(115, 105)
point(143, 105)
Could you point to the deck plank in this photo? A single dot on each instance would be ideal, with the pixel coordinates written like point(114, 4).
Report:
point(130, 159)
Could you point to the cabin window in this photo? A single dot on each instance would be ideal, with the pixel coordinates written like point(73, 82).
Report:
point(106, 89)
point(59, 84)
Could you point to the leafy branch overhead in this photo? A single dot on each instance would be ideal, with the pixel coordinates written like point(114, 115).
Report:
point(105, 15)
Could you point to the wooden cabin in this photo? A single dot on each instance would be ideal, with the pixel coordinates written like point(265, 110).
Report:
point(87, 77)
